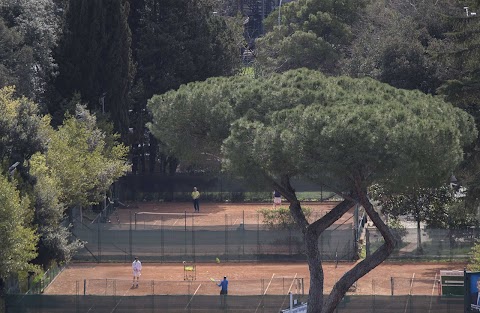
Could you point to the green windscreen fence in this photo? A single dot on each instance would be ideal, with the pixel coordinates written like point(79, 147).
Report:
point(433, 244)
point(194, 303)
point(109, 242)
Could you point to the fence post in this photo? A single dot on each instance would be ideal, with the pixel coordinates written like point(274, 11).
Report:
point(130, 239)
point(258, 235)
point(193, 237)
point(99, 243)
point(367, 242)
point(84, 287)
point(391, 285)
point(226, 237)
point(77, 290)
point(162, 240)
point(356, 238)
point(243, 234)
point(290, 241)
point(185, 236)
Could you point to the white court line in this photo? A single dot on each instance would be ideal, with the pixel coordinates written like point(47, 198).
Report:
point(189, 214)
point(411, 285)
point(433, 291)
point(409, 293)
point(235, 222)
point(264, 293)
point(269, 283)
point(192, 296)
point(288, 292)
point(114, 308)
point(434, 283)
point(293, 281)
point(175, 222)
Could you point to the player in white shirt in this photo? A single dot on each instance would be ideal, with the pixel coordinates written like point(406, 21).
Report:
point(137, 271)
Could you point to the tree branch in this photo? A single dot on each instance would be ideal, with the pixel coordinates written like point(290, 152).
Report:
point(326, 221)
point(369, 263)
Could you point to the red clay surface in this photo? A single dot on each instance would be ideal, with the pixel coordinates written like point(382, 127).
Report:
point(211, 214)
point(245, 278)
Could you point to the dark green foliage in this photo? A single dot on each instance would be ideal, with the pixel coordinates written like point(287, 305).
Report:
point(343, 133)
point(394, 42)
point(474, 262)
point(281, 218)
point(20, 124)
point(174, 42)
point(28, 34)
point(312, 34)
point(435, 206)
point(460, 54)
point(95, 59)
point(181, 41)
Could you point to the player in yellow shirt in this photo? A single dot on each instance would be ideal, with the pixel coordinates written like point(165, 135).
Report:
point(195, 196)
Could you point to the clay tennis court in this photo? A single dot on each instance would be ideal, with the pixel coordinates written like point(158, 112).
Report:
point(211, 214)
point(245, 278)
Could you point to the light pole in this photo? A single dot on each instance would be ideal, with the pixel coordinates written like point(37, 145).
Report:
point(11, 169)
point(101, 101)
point(279, 11)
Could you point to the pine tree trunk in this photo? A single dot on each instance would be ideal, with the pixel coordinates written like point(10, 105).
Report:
point(315, 294)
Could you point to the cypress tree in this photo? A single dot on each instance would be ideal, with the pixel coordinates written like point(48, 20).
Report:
point(95, 59)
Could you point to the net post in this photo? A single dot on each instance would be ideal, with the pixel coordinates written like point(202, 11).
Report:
point(193, 238)
point(226, 237)
point(84, 287)
point(392, 285)
point(185, 233)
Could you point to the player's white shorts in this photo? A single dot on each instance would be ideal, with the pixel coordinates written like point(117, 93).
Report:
point(136, 273)
point(277, 200)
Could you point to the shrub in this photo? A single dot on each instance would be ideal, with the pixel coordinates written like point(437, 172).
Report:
point(281, 218)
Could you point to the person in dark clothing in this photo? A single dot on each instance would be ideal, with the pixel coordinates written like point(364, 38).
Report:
point(277, 199)
point(223, 291)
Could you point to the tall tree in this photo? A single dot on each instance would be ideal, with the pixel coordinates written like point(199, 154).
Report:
point(344, 133)
point(435, 206)
point(394, 41)
point(175, 42)
point(17, 236)
point(94, 58)
point(83, 160)
point(28, 34)
point(55, 242)
point(459, 54)
point(307, 33)
point(20, 126)
point(80, 164)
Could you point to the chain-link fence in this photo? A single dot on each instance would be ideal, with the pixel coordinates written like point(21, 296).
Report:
point(397, 286)
point(385, 295)
point(280, 285)
point(216, 187)
point(426, 243)
point(123, 287)
point(162, 242)
point(201, 303)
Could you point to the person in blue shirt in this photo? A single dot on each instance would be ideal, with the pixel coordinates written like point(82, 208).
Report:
point(223, 291)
